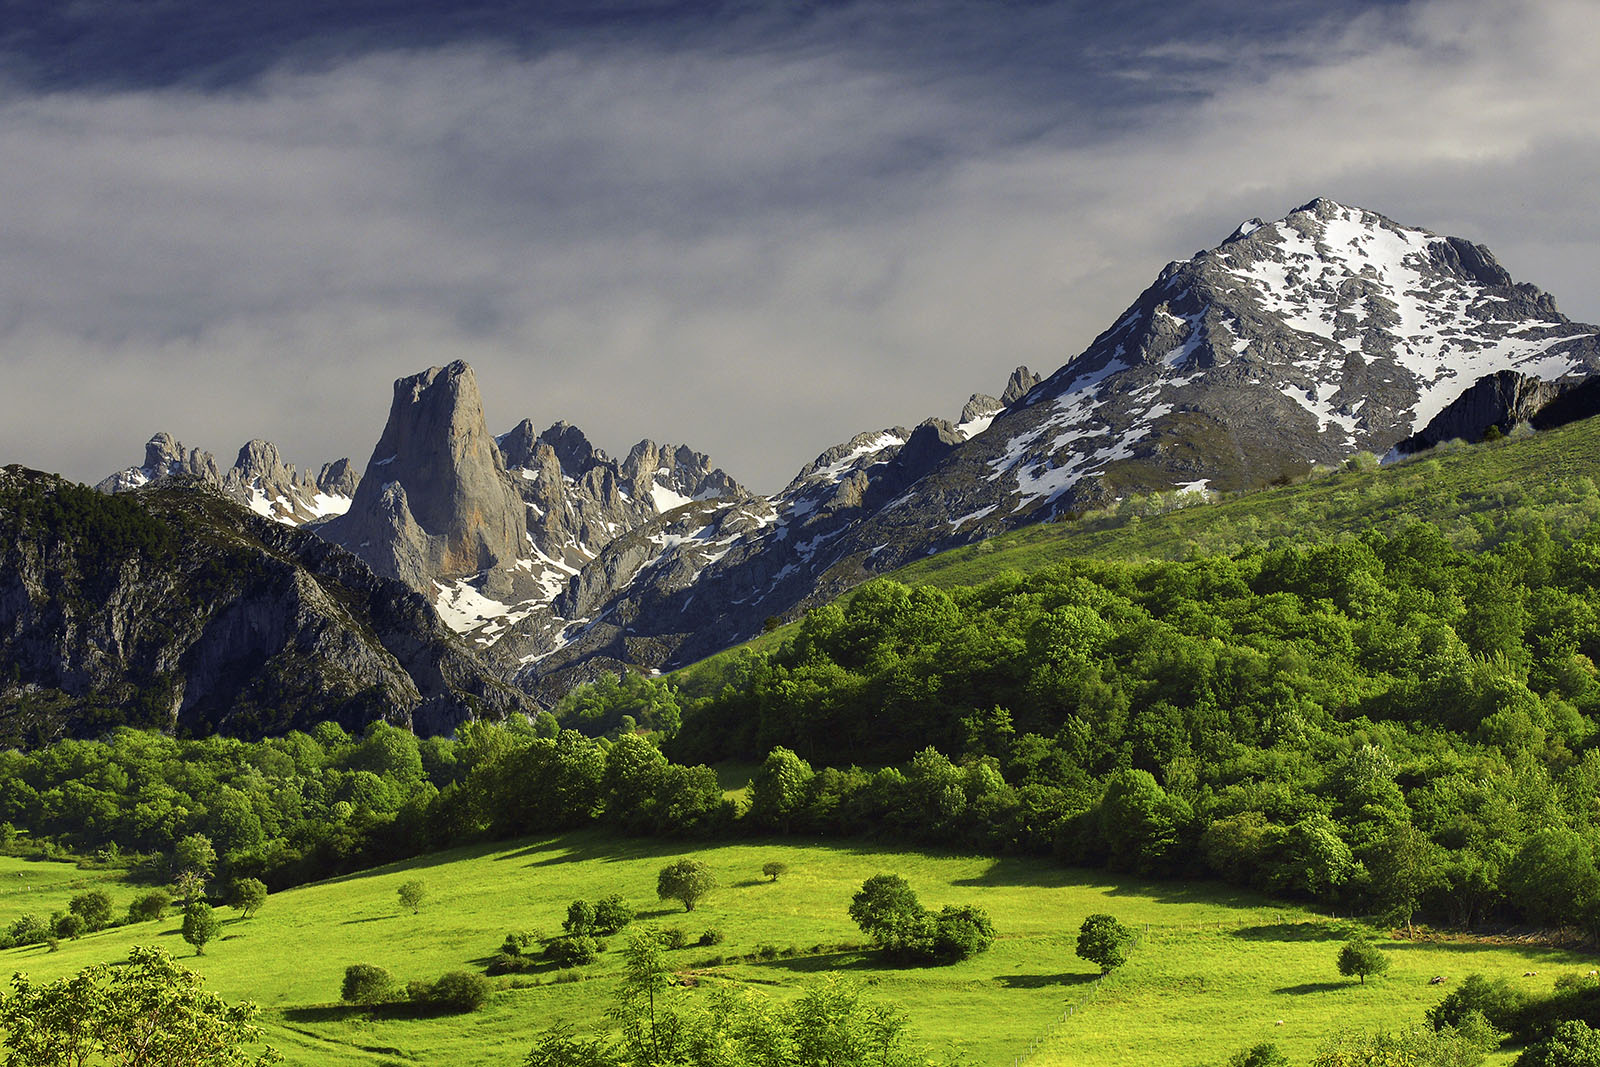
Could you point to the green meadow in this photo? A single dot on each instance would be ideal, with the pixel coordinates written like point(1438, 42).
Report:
point(1216, 969)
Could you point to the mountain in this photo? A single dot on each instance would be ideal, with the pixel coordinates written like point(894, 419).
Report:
point(175, 608)
point(1292, 344)
point(258, 479)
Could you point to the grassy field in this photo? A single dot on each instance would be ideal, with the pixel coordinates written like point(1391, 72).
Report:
point(1216, 969)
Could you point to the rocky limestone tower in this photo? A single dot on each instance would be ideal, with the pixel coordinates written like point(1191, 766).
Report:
point(436, 504)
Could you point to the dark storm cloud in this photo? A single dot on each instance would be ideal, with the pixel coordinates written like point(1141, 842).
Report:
point(756, 231)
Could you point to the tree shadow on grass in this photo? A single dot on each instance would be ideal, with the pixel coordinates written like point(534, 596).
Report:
point(1043, 981)
point(369, 919)
point(333, 1013)
point(748, 882)
point(828, 961)
point(1306, 931)
point(1313, 987)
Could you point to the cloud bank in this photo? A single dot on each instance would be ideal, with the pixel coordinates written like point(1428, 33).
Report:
point(755, 243)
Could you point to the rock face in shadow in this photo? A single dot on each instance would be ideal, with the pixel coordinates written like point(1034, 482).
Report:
point(176, 609)
point(436, 503)
point(1501, 401)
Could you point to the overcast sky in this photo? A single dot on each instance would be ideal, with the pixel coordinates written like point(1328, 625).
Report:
point(756, 229)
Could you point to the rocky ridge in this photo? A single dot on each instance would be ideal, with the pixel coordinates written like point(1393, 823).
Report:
point(174, 608)
point(258, 479)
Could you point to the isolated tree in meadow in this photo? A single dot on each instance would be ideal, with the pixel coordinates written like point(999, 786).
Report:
point(200, 925)
point(248, 896)
point(147, 1012)
point(774, 870)
point(1104, 942)
point(1358, 956)
point(685, 880)
point(412, 894)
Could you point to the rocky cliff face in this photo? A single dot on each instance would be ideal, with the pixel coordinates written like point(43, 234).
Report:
point(259, 479)
point(437, 504)
point(176, 609)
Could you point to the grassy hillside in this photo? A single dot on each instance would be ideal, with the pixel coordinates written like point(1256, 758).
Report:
point(1216, 970)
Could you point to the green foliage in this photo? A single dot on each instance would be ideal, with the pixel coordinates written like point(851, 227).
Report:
point(1361, 957)
point(1574, 1044)
point(887, 910)
point(94, 907)
point(200, 925)
point(611, 914)
point(249, 894)
point(687, 881)
point(1262, 1055)
point(580, 918)
point(774, 869)
point(573, 950)
point(70, 926)
point(194, 853)
point(126, 1015)
point(1404, 1048)
point(412, 894)
point(150, 906)
point(367, 983)
point(1104, 941)
point(1494, 999)
point(459, 991)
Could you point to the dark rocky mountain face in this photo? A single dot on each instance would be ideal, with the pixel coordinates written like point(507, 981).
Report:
point(176, 609)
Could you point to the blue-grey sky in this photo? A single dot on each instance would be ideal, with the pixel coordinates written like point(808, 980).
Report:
point(752, 228)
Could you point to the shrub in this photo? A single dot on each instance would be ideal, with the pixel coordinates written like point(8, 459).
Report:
point(574, 950)
point(152, 905)
point(1263, 1055)
point(774, 869)
point(611, 914)
point(365, 983)
point(580, 918)
point(94, 907)
point(1496, 1000)
point(70, 926)
point(960, 932)
point(460, 991)
point(675, 938)
point(1573, 1044)
point(713, 936)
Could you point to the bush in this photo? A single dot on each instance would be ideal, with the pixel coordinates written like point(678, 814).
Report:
point(774, 869)
point(580, 918)
point(1496, 1000)
point(712, 936)
point(365, 983)
point(28, 930)
point(94, 907)
point(611, 915)
point(1573, 1044)
point(961, 932)
point(460, 991)
point(574, 950)
point(151, 906)
point(70, 926)
point(1263, 1055)
point(412, 894)
point(675, 938)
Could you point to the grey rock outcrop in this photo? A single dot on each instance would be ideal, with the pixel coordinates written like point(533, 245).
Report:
point(1021, 382)
point(259, 479)
point(437, 503)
